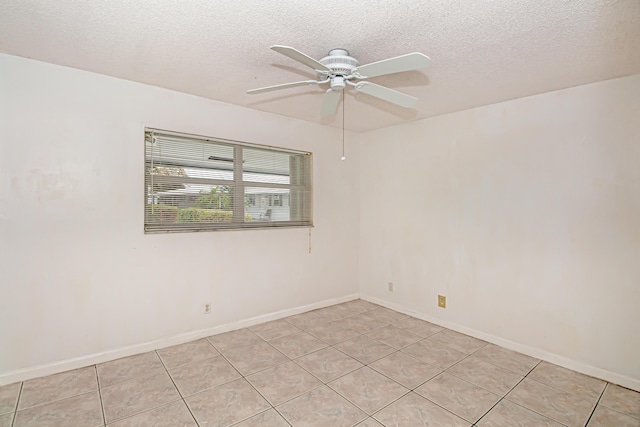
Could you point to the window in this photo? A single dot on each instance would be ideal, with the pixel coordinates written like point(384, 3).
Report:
point(195, 183)
point(275, 200)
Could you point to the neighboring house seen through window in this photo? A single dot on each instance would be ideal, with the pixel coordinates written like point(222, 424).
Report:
point(195, 183)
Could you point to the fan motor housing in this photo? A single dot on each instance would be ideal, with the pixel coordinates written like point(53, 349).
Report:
point(339, 62)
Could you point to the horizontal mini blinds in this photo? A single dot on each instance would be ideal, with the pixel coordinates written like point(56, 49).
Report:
point(195, 183)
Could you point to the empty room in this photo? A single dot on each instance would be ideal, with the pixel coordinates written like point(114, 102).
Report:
point(295, 213)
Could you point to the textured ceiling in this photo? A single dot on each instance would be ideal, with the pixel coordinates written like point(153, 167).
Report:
point(482, 51)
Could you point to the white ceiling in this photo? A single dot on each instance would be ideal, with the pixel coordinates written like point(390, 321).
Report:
point(482, 51)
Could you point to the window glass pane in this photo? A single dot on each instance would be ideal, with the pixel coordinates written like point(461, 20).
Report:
point(209, 173)
point(190, 204)
point(265, 166)
point(267, 204)
point(186, 152)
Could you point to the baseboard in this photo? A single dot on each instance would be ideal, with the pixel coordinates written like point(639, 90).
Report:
point(565, 362)
point(92, 359)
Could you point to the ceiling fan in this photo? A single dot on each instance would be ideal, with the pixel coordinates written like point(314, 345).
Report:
point(339, 70)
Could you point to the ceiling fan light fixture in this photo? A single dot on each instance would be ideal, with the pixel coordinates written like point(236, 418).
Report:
point(338, 83)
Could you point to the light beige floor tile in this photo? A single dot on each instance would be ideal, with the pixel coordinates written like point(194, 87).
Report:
point(283, 382)
point(338, 311)
point(82, 410)
point(404, 369)
point(367, 389)
point(332, 333)
point(234, 339)
point(128, 368)
point(275, 329)
point(364, 349)
point(434, 353)
point(394, 337)
point(359, 306)
point(513, 361)
point(141, 394)
point(6, 419)
point(567, 380)
point(182, 354)
point(320, 408)
point(566, 408)
point(198, 376)
point(369, 422)
point(457, 341)
point(298, 344)
point(605, 417)
point(333, 313)
point(348, 309)
point(508, 414)
point(386, 315)
point(363, 323)
point(415, 411)
point(484, 374)
point(174, 414)
point(464, 399)
point(226, 404)
point(328, 364)
point(418, 327)
point(257, 357)
point(268, 418)
point(307, 320)
point(59, 386)
point(622, 400)
point(9, 397)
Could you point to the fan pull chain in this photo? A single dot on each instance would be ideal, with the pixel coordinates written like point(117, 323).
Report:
point(343, 105)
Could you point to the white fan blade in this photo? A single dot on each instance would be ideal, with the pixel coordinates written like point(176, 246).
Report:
point(408, 62)
point(296, 55)
point(387, 94)
point(282, 86)
point(330, 102)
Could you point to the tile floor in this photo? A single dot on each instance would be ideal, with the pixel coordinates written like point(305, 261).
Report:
point(349, 364)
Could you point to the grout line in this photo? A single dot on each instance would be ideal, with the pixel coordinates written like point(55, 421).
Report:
point(147, 410)
point(527, 408)
point(104, 417)
point(56, 399)
point(560, 389)
point(166, 370)
point(376, 411)
point(177, 389)
point(505, 397)
point(597, 403)
point(250, 384)
point(283, 417)
point(333, 379)
point(15, 412)
point(512, 388)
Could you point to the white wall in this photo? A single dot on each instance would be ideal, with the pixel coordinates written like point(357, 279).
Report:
point(525, 214)
point(78, 275)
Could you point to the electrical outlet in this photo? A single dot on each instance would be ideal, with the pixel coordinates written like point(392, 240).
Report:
point(207, 308)
point(442, 301)
point(390, 286)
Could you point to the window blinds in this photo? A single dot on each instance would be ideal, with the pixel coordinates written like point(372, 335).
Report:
point(195, 183)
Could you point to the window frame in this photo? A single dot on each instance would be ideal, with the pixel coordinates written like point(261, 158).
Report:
point(237, 184)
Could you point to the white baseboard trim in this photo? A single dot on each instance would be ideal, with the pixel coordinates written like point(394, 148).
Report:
point(92, 359)
point(612, 377)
